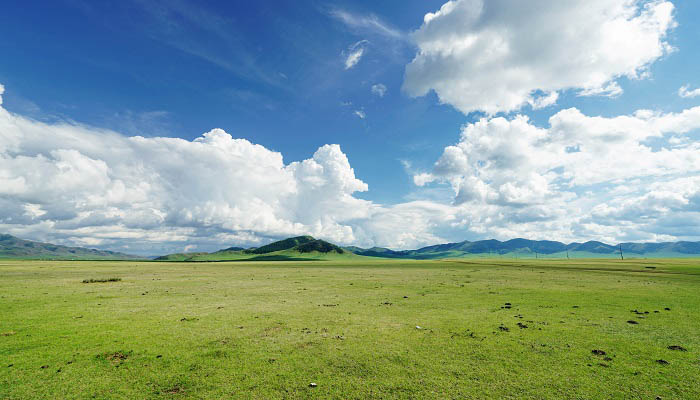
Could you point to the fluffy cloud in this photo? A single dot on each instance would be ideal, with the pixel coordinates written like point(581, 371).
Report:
point(632, 177)
point(66, 181)
point(354, 53)
point(379, 89)
point(499, 55)
point(361, 114)
point(686, 92)
point(582, 174)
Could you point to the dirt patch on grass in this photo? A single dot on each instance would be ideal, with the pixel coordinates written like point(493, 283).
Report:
point(116, 358)
point(175, 390)
point(102, 280)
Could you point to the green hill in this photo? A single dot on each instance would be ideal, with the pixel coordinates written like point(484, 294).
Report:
point(279, 245)
point(12, 247)
point(300, 248)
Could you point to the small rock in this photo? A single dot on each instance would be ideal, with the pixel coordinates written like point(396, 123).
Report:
point(503, 328)
point(44, 366)
point(662, 362)
point(632, 322)
point(405, 297)
point(676, 347)
point(418, 327)
point(598, 352)
point(312, 384)
point(159, 356)
point(667, 309)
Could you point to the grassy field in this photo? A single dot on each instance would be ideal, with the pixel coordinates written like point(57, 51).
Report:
point(362, 328)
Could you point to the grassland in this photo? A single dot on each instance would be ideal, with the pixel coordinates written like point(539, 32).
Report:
point(358, 328)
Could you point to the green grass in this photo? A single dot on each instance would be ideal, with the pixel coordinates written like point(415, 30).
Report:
point(266, 330)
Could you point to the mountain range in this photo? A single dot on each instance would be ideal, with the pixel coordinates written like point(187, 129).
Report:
point(302, 248)
point(536, 249)
point(12, 247)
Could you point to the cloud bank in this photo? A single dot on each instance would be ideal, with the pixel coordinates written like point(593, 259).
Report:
point(624, 178)
point(499, 55)
point(633, 177)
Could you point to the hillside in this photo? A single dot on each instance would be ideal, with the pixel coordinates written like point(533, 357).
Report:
point(12, 247)
point(300, 248)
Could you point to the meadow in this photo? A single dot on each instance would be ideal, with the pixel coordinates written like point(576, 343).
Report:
point(357, 328)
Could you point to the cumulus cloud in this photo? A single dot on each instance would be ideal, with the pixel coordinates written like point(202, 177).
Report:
point(67, 180)
point(580, 178)
point(379, 89)
point(581, 173)
point(354, 53)
point(361, 114)
point(495, 56)
point(684, 92)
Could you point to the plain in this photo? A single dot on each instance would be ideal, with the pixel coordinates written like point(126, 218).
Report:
point(357, 328)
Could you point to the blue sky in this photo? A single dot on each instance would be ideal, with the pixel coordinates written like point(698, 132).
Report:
point(281, 75)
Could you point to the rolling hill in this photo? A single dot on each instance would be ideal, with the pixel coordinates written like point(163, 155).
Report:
point(12, 247)
point(537, 249)
point(300, 248)
point(309, 248)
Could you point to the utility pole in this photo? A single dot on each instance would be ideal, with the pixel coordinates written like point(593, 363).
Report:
point(621, 256)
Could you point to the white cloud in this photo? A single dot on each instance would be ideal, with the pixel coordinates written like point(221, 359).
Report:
point(581, 175)
point(494, 56)
point(66, 180)
point(579, 178)
point(360, 114)
point(379, 89)
point(354, 53)
point(366, 23)
point(2, 90)
point(685, 92)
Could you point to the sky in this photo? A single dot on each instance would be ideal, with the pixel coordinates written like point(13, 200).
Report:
point(152, 127)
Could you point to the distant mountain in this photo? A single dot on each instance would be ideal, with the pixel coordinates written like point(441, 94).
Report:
point(536, 248)
point(12, 247)
point(309, 248)
point(300, 248)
